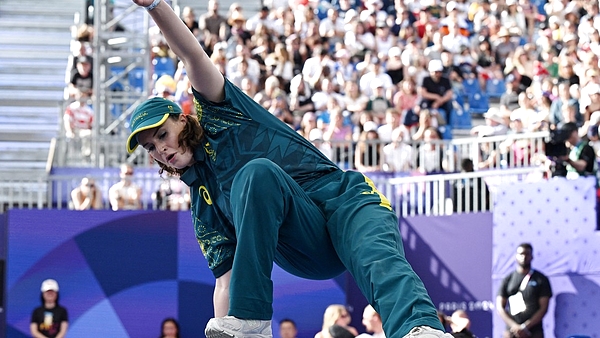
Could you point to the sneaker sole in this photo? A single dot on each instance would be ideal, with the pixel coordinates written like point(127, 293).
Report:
point(223, 334)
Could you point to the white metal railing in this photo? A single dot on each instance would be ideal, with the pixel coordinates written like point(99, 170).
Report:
point(497, 152)
point(444, 194)
point(413, 195)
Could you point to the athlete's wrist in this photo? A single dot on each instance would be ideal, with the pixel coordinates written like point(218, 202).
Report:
point(152, 5)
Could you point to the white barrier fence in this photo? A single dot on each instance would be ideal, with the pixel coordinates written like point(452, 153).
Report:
point(441, 194)
point(505, 151)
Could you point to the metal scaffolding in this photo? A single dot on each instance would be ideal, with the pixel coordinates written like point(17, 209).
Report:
point(122, 64)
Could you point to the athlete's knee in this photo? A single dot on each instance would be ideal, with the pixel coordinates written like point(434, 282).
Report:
point(258, 169)
point(255, 177)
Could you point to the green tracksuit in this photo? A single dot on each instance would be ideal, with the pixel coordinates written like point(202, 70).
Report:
point(261, 193)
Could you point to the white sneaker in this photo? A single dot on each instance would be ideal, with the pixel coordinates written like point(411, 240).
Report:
point(231, 327)
point(427, 332)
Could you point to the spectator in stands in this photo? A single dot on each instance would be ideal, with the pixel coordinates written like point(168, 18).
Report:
point(451, 70)
point(50, 319)
point(405, 101)
point(238, 35)
point(344, 70)
point(314, 67)
point(454, 40)
point(82, 80)
point(315, 136)
point(375, 74)
point(359, 39)
point(372, 322)
point(509, 101)
point(233, 65)
point(79, 49)
point(594, 139)
point(327, 93)
point(392, 122)
point(582, 157)
point(522, 63)
point(287, 328)
point(262, 17)
point(564, 99)
point(434, 51)
point(369, 150)
point(165, 87)
point(282, 64)
point(335, 314)
point(300, 95)
point(398, 155)
point(172, 194)
point(384, 40)
point(125, 194)
point(279, 108)
point(87, 195)
point(513, 17)
point(496, 123)
point(189, 18)
point(338, 132)
point(427, 119)
point(460, 323)
point(78, 121)
point(272, 89)
point(436, 91)
point(469, 195)
point(504, 46)
point(526, 112)
point(454, 16)
point(213, 23)
point(481, 17)
point(430, 154)
point(487, 68)
point(308, 123)
point(332, 27)
point(378, 103)
point(354, 101)
point(169, 328)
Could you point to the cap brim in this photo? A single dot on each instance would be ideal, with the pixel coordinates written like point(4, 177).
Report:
point(132, 141)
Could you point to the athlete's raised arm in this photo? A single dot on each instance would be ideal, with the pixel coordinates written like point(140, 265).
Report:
point(204, 76)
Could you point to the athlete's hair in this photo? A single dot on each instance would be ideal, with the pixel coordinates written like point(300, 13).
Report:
point(190, 138)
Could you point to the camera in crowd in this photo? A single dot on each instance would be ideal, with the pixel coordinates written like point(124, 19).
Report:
point(556, 147)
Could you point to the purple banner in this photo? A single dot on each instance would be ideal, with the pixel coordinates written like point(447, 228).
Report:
point(558, 218)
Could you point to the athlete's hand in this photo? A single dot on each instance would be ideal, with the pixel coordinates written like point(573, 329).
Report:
point(144, 3)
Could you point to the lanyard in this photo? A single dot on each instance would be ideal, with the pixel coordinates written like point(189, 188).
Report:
point(525, 281)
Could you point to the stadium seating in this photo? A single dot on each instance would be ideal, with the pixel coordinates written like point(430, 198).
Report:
point(471, 87)
point(495, 87)
point(163, 66)
point(479, 103)
point(459, 118)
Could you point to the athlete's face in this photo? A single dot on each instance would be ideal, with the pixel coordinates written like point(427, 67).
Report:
point(163, 143)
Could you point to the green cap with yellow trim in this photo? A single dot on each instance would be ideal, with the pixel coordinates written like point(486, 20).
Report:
point(150, 114)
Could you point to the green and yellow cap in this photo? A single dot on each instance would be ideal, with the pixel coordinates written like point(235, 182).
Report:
point(150, 114)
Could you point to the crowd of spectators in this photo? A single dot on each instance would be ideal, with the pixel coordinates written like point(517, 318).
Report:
point(371, 83)
point(376, 85)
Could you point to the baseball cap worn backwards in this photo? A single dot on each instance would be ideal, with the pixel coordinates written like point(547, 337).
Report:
point(150, 114)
